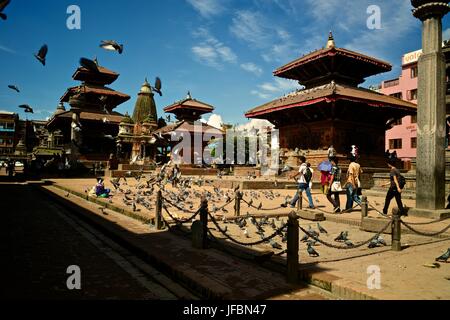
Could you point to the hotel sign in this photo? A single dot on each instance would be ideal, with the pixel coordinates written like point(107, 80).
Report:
point(411, 57)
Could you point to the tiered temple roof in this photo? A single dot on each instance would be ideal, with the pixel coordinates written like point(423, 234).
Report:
point(189, 109)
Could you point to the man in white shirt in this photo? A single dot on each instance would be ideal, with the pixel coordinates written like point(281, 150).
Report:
point(303, 183)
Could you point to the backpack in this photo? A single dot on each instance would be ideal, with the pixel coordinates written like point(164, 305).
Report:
point(308, 175)
point(401, 182)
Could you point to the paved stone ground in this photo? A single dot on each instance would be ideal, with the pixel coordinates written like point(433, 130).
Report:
point(224, 275)
point(37, 245)
point(403, 274)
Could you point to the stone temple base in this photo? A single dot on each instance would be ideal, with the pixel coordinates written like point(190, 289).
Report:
point(430, 214)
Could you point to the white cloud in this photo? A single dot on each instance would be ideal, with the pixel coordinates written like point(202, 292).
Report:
point(6, 49)
point(278, 87)
point(446, 34)
point(261, 95)
point(262, 33)
point(214, 120)
point(252, 68)
point(254, 123)
point(207, 8)
point(211, 51)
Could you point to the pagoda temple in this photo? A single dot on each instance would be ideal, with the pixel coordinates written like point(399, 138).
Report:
point(188, 113)
point(331, 109)
point(88, 128)
point(135, 141)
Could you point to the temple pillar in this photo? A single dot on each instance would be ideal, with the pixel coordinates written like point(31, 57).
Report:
point(430, 186)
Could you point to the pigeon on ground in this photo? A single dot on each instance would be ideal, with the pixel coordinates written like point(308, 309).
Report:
point(349, 243)
point(42, 54)
point(27, 108)
point(275, 244)
point(111, 45)
point(13, 87)
point(381, 241)
point(246, 233)
point(444, 257)
point(250, 203)
point(89, 64)
point(312, 252)
point(342, 236)
point(260, 206)
point(321, 229)
point(3, 5)
point(305, 238)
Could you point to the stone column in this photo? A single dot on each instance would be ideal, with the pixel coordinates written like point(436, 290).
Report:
point(430, 186)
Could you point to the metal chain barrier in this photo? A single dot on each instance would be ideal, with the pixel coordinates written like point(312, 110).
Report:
point(218, 242)
point(176, 206)
point(181, 221)
point(407, 225)
point(277, 232)
point(262, 209)
point(323, 211)
point(346, 247)
point(226, 204)
point(429, 222)
point(377, 211)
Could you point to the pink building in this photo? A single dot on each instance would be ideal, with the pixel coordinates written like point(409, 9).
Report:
point(402, 138)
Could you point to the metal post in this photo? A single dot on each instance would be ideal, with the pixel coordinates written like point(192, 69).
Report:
point(237, 204)
point(396, 230)
point(158, 215)
point(204, 221)
point(292, 248)
point(364, 207)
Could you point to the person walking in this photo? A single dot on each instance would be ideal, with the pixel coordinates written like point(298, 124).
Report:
point(353, 173)
point(305, 174)
point(335, 185)
point(394, 188)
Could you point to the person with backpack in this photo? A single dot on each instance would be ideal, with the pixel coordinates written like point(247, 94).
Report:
point(353, 183)
point(305, 174)
point(396, 185)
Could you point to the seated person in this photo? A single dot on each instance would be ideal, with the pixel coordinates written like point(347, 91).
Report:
point(100, 190)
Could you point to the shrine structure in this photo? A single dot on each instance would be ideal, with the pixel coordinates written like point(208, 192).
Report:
point(332, 109)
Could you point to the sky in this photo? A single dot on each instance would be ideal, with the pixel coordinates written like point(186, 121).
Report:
point(222, 51)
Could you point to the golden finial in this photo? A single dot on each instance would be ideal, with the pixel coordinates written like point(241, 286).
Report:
point(330, 43)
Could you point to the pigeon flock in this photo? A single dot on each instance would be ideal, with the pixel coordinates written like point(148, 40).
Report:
point(41, 56)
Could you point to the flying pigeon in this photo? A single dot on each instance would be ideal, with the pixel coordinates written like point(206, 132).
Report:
point(444, 257)
point(27, 108)
point(3, 5)
point(158, 86)
point(89, 64)
point(42, 54)
point(13, 87)
point(111, 46)
point(311, 251)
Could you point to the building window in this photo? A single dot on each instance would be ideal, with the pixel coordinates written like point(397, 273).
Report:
point(414, 72)
point(414, 143)
point(397, 95)
point(414, 118)
point(395, 143)
point(412, 94)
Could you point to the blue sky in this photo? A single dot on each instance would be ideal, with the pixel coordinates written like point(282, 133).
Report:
point(223, 51)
